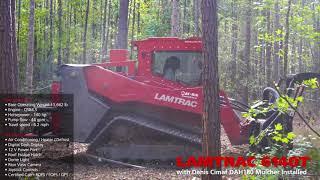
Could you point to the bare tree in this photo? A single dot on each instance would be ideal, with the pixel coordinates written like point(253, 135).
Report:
point(93, 23)
point(132, 26)
point(8, 66)
point(138, 18)
point(104, 24)
point(122, 37)
point(30, 56)
point(185, 16)
point(175, 18)
point(276, 46)
point(60, 31)
point(234, 44)
point(19, 22)
point(246, 53)
point(211, 145)
point(14, 43)
point(300, 46)
point(67, 59)
point(51, 38)
point(16, 34)
point(268, 49)
point(108, 27)
point(286, 41)
point(316, 46)
point(196, 4)
point(84, 45)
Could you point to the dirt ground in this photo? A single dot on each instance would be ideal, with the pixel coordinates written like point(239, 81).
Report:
point(85, 171)
point(57, 159)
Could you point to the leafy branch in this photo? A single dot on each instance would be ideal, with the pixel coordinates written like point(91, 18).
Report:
point(293, 106)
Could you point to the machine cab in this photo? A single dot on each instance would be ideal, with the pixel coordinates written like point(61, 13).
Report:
point(180, 66)
point(172, 59)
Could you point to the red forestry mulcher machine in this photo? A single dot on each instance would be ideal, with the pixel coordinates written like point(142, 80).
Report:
point(150, 108)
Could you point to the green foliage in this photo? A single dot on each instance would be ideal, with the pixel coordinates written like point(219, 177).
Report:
point(280, 142)
point(311, 83)
point(283, 105)
point(255, 111)
point(155, 20)
point(280, 136)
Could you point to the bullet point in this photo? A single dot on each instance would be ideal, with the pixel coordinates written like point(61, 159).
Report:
point(6, 154)
point(5, 174)
point(5, 104)
point(5, 139)
point(5, 149)
point(5, 124)
point(5, 114)
point(5, 159)
point(6, 144)
point(6, 164)
point(5, 109)
point(5, 169)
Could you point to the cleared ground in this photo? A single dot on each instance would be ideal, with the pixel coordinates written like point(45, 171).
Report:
point(84, 170)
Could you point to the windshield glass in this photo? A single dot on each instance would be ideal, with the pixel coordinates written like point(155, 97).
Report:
point(181, 66)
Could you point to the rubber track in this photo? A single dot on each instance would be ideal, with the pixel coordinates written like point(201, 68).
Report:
point(160, 127)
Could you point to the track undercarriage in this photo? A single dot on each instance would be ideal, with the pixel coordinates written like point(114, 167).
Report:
point(135, 139)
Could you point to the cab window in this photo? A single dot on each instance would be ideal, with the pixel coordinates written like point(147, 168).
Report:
point(182, 67)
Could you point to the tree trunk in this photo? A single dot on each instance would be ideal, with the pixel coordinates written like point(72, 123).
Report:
point(84, 53)
point(113, 24)
point(261, 65)
point(50, 59)
point(36, 69)
point(122, 37)
point(18, 41)
point(67, 59)
point(138, 19)
point(184, 20)
point(102, 9)
point(19, 23)
point(175, 19)
point(60, 31)
point(300, 47)
point(316, 46)
point(234, 45)
point(30, 56)
point(8, 76)
point(196, 15)
point(108, 27)
point(293, 56)
point(246, 54)
point(94, 25)
point(196, 4)
point(103, 42)
point(262, 59)
point(286, 42)
point(255, 68)
point(211, 145)
point(14, 45)
point(132, 26)
point(44, 71)
point(301, 66)
point(129, 12)
point(268, 50)
point(276, 57)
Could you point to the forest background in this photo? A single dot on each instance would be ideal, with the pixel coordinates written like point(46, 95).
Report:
point(260, 41)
